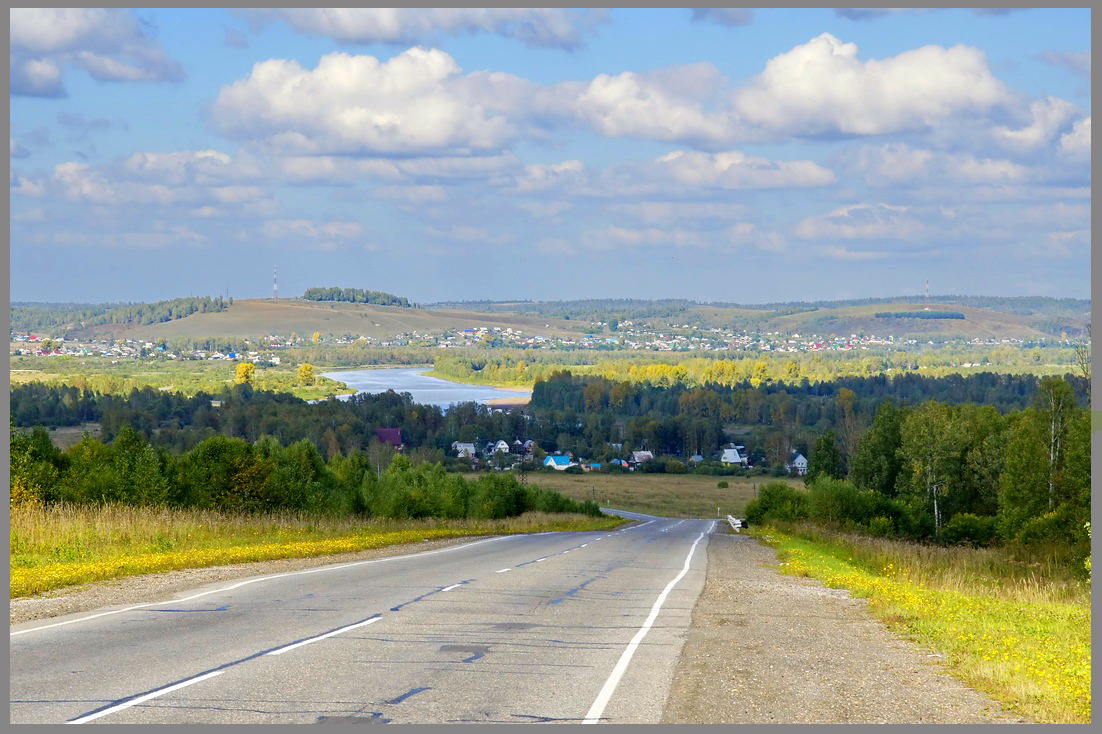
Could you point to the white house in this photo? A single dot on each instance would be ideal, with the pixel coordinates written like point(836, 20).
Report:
point(638, 457)
point(558, 462)
point(464, 450)
point(798, 463)
point(732, 456)
point(501, 446)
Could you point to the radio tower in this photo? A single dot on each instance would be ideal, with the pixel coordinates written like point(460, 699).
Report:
point(927, 295)
point(275, 281)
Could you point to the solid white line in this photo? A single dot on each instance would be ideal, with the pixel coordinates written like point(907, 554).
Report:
point(503, 570)
point(231, 587)
point(146, 697)
point(538, 560)
point(453, 586)
point(609, 687)
point(364, 623)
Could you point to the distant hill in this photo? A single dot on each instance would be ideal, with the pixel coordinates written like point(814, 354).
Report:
point(260, 317)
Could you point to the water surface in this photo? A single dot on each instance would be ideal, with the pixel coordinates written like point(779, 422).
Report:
point(424, 389)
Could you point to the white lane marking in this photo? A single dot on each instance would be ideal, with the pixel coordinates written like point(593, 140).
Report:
point(609, 687)
point(540, 559)
point(300, 643)
point(583, 545)
point(146, 697)
point(503, 570)
point(453, 586)
point(231, 587)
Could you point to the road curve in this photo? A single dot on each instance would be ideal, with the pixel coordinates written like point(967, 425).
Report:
point(555, 627)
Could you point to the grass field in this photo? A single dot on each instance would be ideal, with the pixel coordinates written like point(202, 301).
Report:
point(1019, 632)
point(63, 545)
point(668, 495)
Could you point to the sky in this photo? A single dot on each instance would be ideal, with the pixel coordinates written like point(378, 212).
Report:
point(735, 155)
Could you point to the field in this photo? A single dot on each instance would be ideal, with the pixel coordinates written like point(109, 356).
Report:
point(668, 495)
point(189, 377)
point(261, 317)
point(1018, 631)
point(63, 545)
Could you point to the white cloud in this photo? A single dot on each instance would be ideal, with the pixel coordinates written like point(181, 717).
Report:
point(470, 234)
point(821, 88)
point(898, 164)
point(736, 170)
point(411, 194)
point(108, 43)
point(862, 222)
point(618, 238)
point(659, 213)
point(318, 231)
point(540, 27)
point(1047, 118)
point(1077, 143)
point(15, 150)
point(416, 102)
point(1079, 62)
point(541, 176)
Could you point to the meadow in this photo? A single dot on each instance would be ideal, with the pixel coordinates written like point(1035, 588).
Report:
point(63, 545)
point(668, 495)
point(1017, 629)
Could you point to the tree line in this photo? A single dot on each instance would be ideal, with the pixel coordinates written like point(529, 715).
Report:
point(355, 295)
point(954, 474)
point(61, 318)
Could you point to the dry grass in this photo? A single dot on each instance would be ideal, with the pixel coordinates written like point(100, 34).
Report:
point(669, 495)
point(62, 545)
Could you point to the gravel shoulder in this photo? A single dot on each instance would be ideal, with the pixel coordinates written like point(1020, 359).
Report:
point(765, 648)
point(160, 587)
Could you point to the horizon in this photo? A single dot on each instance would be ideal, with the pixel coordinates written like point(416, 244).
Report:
point(711, 155)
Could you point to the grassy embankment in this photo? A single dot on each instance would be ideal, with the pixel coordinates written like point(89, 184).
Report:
point(1020, 632)
point(188, 377)
point(668, 495)
point(66, 545)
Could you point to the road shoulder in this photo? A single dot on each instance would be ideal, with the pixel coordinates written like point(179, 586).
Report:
point(765, 648)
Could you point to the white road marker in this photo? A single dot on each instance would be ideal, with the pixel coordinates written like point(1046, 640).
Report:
point(583, 545)
point(609, 687)
point(449, 588)
point(364, 623)
point(503, 570)
point(538, 560)
point(231, 587)
point(146, 697)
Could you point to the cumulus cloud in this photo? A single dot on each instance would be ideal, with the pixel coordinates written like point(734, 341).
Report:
point(1077, 143)
point(863, 222)
point(418, 101)
point(539, 27)
point(898, 164)
point(724, 16)
point(108, 43)
point(1047, 118)
point(736, 170)
point(822, 88)
point(311, 229)
point(541, 176)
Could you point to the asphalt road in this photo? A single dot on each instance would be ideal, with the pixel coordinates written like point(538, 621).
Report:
point(572, 627)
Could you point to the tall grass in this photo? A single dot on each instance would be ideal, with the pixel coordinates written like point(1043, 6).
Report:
point(61, 545)
point(1018, 631)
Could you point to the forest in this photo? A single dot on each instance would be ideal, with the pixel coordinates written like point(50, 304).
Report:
point(59, 319)
point(355, 295)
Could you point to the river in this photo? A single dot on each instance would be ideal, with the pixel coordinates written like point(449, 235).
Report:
point(424, 389)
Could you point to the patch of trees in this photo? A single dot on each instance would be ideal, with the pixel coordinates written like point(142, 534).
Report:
point(63, 318)
point(919, 315)
point(236, 475)
point(355, 295)
point(955, 474)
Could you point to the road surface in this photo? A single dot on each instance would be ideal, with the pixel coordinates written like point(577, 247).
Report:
point(571, 627)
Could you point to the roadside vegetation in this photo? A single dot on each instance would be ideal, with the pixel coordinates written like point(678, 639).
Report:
point(66, 544)
point(1014, 625)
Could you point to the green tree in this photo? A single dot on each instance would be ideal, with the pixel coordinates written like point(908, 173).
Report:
point(876, 463)
point(825, 460)
point(931, 439)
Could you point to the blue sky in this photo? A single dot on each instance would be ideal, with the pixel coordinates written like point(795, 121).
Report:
point(464, 154)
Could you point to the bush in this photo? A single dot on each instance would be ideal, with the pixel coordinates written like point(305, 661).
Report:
point(881, 527)
point(778, 502)
point(573, 470)
point(722, 485)
point(673, 466)
point(967, 529)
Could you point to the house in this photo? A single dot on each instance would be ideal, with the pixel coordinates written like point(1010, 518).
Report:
point(390, 436)
point(696, 458)
point(558, 462)
point(732, 456)
point(500, 446)
point(464, 450)
point(638, 457)
point(592, 466)
point(529, 446)
point(797, 463)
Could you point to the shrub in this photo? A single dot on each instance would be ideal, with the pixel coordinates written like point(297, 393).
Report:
point(779, 502)
point(722, 485)
point(881, 527)
point(673, 466)
point(964, 528)
point(573, 470)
